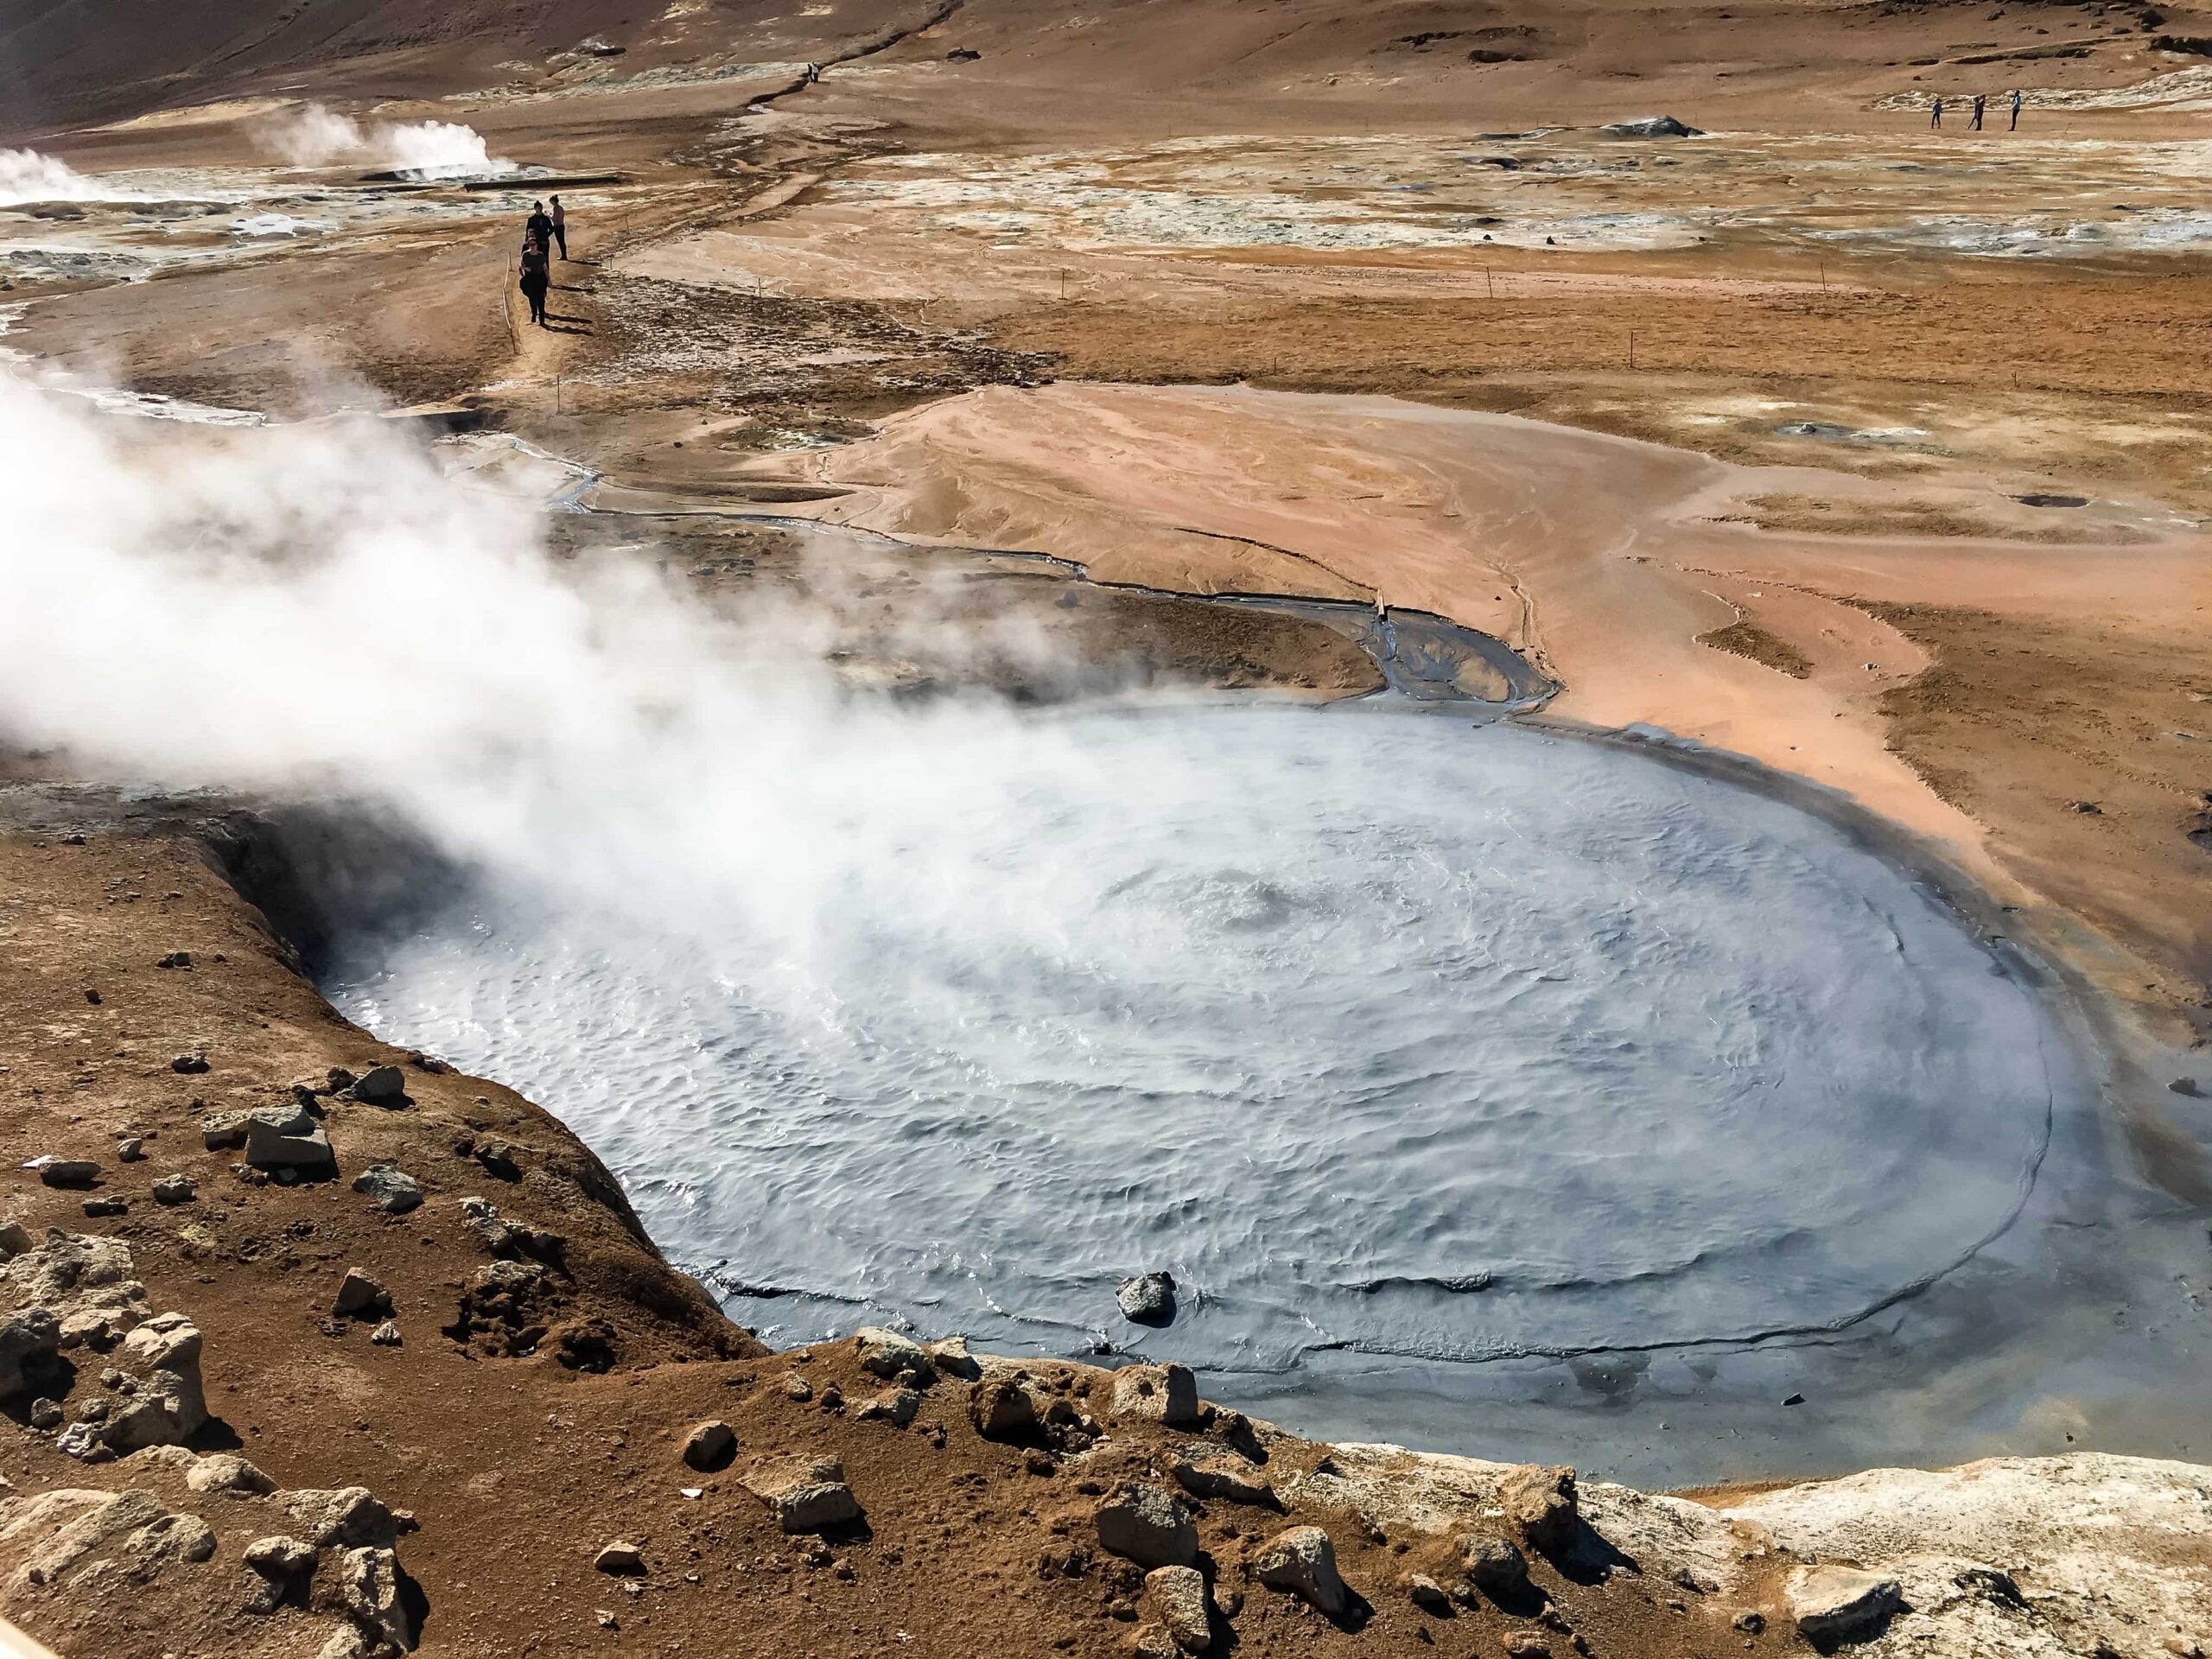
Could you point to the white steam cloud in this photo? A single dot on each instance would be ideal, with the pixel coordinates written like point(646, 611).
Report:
point(320, 608)
point(26, 175)
point(317, 135)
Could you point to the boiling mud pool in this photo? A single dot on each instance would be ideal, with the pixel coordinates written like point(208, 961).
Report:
point(1383, 1033)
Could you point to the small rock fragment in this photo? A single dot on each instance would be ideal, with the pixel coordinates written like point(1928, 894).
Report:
point(711, 1445)
point(1495, 1566)
point(46, 1414)
point(1829, 1602)
point(386, 1335)
point(223, 1131)
point(1160, 1394)
point(1426, 1594)
point(1146, 1524)
point(189, 1064)
point(1526, 1645)
point(381, 1085)
point(805, 1494)
point(287, 1138)
point(950, 1356)
point(64, 1172)
point(1540, 1503)
point(1148, 1299)
point(175, 1190)
point(1176, 1598)
point(357, 1295)
point(1303, 1561)
point(1227, 1477)
point(889, 1355)
point(227, 1473)
point(1001, 1407)
point(130, 1149)
point(894, 1406)
point(620, 1557)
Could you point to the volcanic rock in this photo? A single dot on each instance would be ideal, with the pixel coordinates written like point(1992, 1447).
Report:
point(1148, 1299)
point(1159, 1394)
point(176, 1189)
point(386, 1335)
point(1651, 126)
point(1828, 1602)
point(32, 1334)
point(1226, 1477)
point(129, 1149)
point(1176, 1597)
point(350, 1515)
point(229, 1474)
point(620, 1557)
point(711, 1445)
point(886, 1354)
point(381, 1085)
point(1144, 1523)
point(368, 1585)
point(390, 1189)
point(359, 1294)
point(1001, 1407)
point(223, 1130)
point(950, 1356)
point(1426, 1594)
point(65, 1172)
point(1303, 1561)
point(189, 1064)
point(894, 1406)
point(286, 1137)
point(806, 1494)
point(169, 1404)
point(1495, 1566)
point(1539, 1505)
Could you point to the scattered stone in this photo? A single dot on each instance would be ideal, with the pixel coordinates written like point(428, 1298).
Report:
point(499, 1160)
point(225, 1472)
point(1651, 126)
point(797, 1388)
point(1526, 1645)
point(711, 1445)
point(46, 1414)
point(390, 1188)
point(346, 1515)
point(894, 1406)
point(1159, 1394)
point(169, 1405)
point(176, 959)
point(1001, 1407)
point(14, 1240)
point(382, 1085)
point(511, 1239)
point(1539, 1505)
point(130, 1149)
point(386, 1335)
point(1829, 1602)
point(607, 1620)
point(175, 1190)
point(32, 1335)
point(805, 1494)
point(280, 1138)
point(359, 1294)
point(889, 1355)
point(1989, 1583)
point(65, 1172)
point(96, 1208)
point(1751, 1624)
point(190, 1065)
point(1229, 1478)
point(833, 1398)
point(1148, 1299)
point(1303, 1561)
point(92, 996)
point(619, 1558)
point(950, 1356)
point(1428, 1594)
point(1147, 1525)
point(1495, 1566)
point(279, 1557)
point(223, 1131)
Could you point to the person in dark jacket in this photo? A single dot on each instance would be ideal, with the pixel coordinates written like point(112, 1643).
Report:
point(536, 278)
point(538, 227)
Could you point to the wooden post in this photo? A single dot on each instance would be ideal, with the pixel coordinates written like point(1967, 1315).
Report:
point(1632, 348)
point(1491, 281)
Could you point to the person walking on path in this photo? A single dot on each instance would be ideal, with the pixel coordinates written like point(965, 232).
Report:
point(536, 278)
point(1936, 114)
point(1974, 125)
point(560, 217)
point(538, 227)
point(2015, 127)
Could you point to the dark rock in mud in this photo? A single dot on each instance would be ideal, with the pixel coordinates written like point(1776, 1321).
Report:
point(1148, 1299)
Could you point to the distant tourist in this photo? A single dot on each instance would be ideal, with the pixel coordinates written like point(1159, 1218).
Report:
point(536, 278)
point(1974, 125)
point(560, 217)
point(1936, 114)
point(538, 227)
point(2015, 127)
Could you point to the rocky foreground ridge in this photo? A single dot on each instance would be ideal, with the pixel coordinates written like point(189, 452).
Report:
point(311, 1347)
